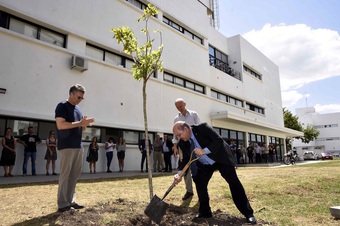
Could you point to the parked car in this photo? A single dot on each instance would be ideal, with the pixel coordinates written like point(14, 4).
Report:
point(310, 155)
point(326, 155)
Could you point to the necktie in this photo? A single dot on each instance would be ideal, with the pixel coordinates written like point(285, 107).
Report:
point(193, 165)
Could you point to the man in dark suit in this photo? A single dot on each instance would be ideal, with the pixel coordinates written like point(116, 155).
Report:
point(216, 155)
point(142, 148)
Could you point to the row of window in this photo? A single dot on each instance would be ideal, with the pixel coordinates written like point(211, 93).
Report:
point(325, 126)
point(32, 30)
point(42, 128)
point(183, 82)
point(327, 138)
point(107, 56)
point(226, 98)
point(182, 30)
point(254, 108)
point(251, 72)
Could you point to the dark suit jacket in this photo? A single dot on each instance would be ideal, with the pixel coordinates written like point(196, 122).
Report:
point(142, 145)
point(208, 138)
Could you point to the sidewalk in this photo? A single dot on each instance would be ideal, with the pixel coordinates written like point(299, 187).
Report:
point(41, 178)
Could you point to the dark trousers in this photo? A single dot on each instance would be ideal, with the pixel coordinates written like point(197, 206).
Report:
point(258, 158)
point(250, 157)
point(109, 156)
point(143, 160)
point(167, 161)
point(204, 174)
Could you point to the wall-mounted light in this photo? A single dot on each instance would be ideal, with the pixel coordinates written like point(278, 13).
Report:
point(2, 91)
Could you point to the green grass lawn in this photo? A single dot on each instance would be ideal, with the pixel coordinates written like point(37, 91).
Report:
point(294, 195)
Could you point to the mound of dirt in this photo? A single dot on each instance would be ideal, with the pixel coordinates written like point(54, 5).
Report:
point(174, 215)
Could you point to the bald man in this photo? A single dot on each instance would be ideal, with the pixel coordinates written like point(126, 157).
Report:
point(216, 155)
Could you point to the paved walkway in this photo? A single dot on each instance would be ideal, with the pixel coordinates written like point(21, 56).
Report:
point(18, 179)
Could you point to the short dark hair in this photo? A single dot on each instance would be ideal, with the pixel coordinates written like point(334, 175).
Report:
point(77, 88)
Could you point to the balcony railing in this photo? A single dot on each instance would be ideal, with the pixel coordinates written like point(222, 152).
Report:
point(222, 66)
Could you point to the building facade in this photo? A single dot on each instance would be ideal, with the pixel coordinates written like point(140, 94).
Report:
point(47, 46)
point(328, 126)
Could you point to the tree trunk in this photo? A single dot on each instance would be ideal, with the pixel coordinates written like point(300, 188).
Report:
point(147, 140)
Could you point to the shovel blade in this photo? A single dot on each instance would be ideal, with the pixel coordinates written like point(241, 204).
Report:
point(156, 209)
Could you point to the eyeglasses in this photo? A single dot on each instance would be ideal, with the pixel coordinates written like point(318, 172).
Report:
point(80, 98)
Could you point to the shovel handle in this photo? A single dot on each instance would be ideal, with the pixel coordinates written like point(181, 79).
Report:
point(181, 174)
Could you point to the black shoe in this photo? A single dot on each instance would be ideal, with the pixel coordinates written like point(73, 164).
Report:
point(66, 208)
point(109, 171)
point(187, 196)
point(251, 219)
point(34, 174)
point(76, 206)
point(207, 215)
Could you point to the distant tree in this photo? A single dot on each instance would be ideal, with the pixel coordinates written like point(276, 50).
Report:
point(292, 122)
point(146, 62)
point(309, 134)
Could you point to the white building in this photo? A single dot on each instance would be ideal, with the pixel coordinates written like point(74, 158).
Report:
point(232, 85)
point(328, 126)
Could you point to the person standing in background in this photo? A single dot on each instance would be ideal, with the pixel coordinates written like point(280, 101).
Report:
point(191, 118)
point(109, 146)
point(8, 152)
point(51, 152)
point(121, 146)
point(30, 141)
point(70, 124)
point(157, 154)
point(92, 157)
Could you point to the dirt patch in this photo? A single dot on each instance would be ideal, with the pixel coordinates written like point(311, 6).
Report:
point(175, 215)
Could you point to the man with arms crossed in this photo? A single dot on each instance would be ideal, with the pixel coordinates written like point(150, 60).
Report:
point(191, 118)
point(70, 124)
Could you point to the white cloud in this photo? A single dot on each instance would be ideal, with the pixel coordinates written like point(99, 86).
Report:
point(329, 108)
point(290, 98)
point(303, 54)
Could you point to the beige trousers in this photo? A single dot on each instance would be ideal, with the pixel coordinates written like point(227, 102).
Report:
point(187, 177)
point(71, 162)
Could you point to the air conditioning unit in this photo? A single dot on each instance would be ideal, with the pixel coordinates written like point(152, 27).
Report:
point(79, 63)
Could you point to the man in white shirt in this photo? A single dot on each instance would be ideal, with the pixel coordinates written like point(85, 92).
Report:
point(191, 118)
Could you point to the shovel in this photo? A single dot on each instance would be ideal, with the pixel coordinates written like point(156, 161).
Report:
point(156, 208)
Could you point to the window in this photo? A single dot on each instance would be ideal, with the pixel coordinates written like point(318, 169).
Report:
point(226, 98)
point(32, 30)
point(138, 4)
point(20, 127)
point(91, 132)
point(94, 52)
point(254, 108)
point(257, 138)
point(182, 30)
point(219, 60)
point(252, 72)
point(113, 58)
point(230, 135)
point(183, 82)
point(109, 57)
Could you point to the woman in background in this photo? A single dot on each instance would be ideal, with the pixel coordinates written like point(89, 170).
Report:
point(121, 153)
point(51, 152)
point(92, 157)
point(109, 146)
point(8, 152)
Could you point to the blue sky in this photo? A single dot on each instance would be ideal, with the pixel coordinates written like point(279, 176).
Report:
point(301, 37)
